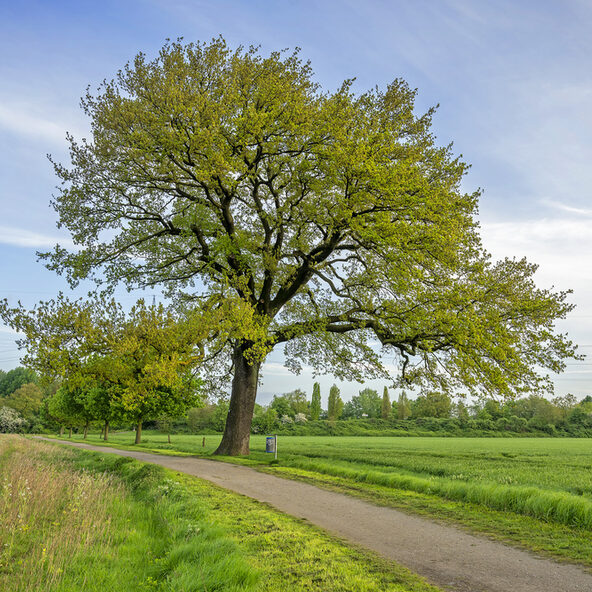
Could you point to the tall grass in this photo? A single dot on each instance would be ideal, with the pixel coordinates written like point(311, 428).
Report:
point(48, 515)
point(74, 521)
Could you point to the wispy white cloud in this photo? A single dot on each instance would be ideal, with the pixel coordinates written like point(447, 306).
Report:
point(28, 121)
point(545, 142)
point(561, 248)
point(537, 236)
point(567, 208)
point(275, 369)
point(18, 237)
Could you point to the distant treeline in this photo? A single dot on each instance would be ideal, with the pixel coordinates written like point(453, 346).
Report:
point(368, 413)
point(24, 408)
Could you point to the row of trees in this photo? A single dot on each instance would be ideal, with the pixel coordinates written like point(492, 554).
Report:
point(107, 364)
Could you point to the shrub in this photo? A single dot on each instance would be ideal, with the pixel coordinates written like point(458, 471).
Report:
point(11, 421)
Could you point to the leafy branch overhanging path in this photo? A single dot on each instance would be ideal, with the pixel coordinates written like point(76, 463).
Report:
point(446, 556)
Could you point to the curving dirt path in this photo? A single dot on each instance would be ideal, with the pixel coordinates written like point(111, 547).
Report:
point(448, 557)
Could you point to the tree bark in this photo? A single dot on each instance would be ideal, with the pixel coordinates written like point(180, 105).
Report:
point(69, 432)
point(85, 430)
point(106, 431)
point(237, 432)
point(169, 438)
point(139, 432)
point(61, 430)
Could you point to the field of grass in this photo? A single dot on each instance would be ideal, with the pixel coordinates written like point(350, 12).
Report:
point(534, 492)
point(74, 520)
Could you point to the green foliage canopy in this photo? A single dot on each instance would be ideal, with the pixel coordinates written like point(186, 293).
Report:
point(367, 403)
point(336, 217)
point(386, 407)
point(432, 404)
point(13, 379)
point(27, 400)
point(110, 363)
point(291, 403)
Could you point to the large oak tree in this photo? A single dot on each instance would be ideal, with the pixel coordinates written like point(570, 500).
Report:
point(334, 216)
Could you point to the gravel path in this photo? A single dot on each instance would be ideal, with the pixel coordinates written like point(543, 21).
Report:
point(448, 557)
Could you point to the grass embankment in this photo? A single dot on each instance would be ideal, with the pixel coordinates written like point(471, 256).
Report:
point(73, 520)
point(537, 493)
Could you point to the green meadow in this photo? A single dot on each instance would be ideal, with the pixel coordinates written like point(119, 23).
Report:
point(535, 492)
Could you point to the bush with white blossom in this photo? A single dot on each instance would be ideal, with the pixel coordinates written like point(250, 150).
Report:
point(11, 421)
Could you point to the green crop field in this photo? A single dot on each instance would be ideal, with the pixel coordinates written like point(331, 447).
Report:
point(534, 492)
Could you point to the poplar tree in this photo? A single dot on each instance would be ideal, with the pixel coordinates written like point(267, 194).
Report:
point(335, 404)
point(403, 406)
point(315, 403)
point(386, 404)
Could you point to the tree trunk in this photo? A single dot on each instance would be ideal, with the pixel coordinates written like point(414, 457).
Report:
point(61, 430)
point(237, 432)
point(69, 432)
point(86, 429)
point(169, 438)
point(106, 431)
point(138, 432)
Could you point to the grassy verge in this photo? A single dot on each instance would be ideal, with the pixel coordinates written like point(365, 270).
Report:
point(141, 527)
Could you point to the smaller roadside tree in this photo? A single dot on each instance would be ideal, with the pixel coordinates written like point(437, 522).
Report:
point(153, 360)
point(138, 365)
point(315, 403)
point(103, 400)
point(65, 407)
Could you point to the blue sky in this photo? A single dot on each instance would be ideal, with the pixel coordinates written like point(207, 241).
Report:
point(513, 80)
